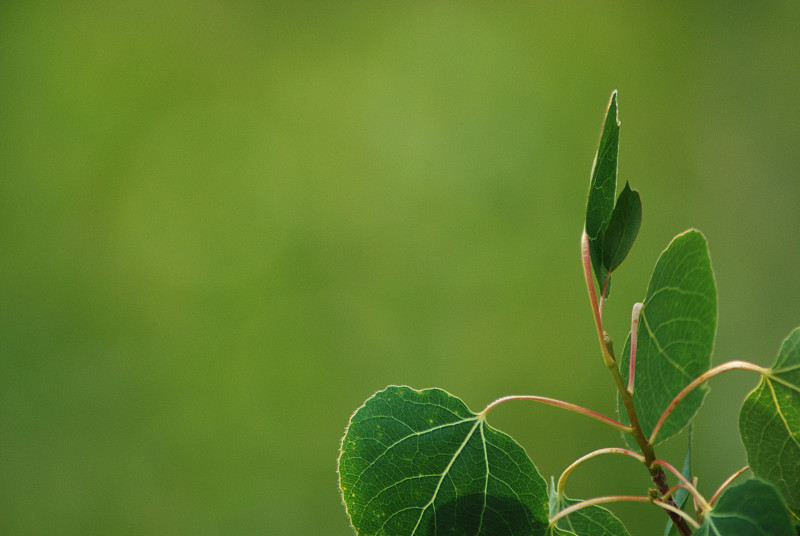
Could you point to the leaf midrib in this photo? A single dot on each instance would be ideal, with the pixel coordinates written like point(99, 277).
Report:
point(781, 415)
point(478, 421)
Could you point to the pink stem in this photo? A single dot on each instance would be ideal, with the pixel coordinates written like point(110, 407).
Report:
point(587, 272)
point(603, 294)
point(699, 499)
point(635, 314)
point(562, 480)
point(597, 500)
point(719, 369)
point(727, 483)
point(560, 404)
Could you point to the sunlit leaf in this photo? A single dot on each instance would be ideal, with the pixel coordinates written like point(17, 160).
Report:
point(769, 423)
point(754, 508)
point(420, 463)
point(676, 334)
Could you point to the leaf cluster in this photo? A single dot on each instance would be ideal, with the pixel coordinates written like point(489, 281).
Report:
point(421, 463)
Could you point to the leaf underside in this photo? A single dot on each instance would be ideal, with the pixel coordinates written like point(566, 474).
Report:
point(754, 508)
point(676, 335)
point(769, 423)
point(420, 463)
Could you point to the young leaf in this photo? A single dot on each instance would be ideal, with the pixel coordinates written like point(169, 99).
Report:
point(590, 521)
point(749, 509)
point(676, 335)
point(622, 229)
point(769, 423)
point(603, 188)
point(420, 463)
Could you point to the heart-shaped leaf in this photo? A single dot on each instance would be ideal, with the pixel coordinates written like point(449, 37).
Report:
point(676, 335)
point(769, 423)
point(603, 188)
point(420, 463)
point(754, 508)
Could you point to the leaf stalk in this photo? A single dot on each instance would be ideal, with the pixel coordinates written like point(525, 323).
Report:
point(694, 384)
point(595, 501)
point(562, 480)
point(563, 405)
point(727, 483)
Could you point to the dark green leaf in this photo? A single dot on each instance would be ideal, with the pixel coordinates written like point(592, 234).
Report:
point(676, 335)
point(769, 423)
point(622, 229)
point(603, 188)
point(753, 508)
point(420, 463)
point(682, 495)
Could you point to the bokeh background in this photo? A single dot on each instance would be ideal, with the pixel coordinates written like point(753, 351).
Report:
point(224, 225)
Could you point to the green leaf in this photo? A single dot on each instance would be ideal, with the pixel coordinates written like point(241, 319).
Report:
point(676, 335)
point(622, 229)
point(682, 495)
point(420, 463)
point(554, 530)
point(754, 508)
point(769, 423)
point(603, 188)
point(590, 521)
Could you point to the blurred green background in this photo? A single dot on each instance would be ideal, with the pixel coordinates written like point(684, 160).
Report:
point(224, 225)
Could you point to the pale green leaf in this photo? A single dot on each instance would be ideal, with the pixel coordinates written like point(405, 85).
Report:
point(676, 335)
point(754, 508)
point(769, 423)
point(420, 463)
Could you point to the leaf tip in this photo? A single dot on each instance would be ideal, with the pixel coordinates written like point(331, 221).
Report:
point(612, 104)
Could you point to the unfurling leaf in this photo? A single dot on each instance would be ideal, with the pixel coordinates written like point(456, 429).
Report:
point(420, 463)
point(676, 335)
point(769, 423)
